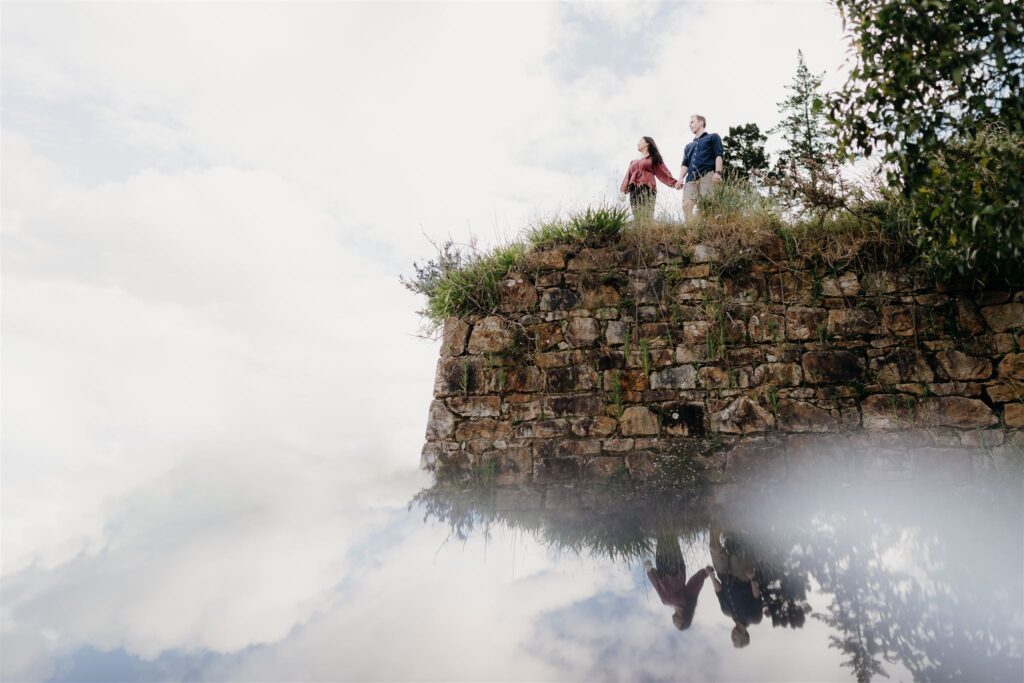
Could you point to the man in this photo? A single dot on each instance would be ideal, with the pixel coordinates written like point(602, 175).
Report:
point(702, 165)
point(736, 586)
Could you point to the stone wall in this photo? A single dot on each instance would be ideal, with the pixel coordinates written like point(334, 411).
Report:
point(607, 362)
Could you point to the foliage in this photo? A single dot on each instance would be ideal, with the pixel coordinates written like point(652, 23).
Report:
point(592, 227)
point(969, 206)
point(744, 151)
point(923, 70)
point(458, 282)
point(937, 88)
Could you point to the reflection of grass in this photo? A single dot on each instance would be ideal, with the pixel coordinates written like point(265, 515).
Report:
point(621, 526)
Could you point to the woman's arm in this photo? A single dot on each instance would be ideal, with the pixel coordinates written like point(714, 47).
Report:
point(625, 181)
point(665, 175)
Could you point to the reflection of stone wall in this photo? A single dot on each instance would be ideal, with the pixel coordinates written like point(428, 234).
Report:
point(600, 362)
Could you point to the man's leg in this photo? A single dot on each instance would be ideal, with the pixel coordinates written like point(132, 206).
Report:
point(690, 193)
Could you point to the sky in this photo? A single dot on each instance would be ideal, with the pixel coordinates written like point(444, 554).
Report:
point(205, 211)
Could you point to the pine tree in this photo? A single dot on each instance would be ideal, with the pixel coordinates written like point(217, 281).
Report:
point(809, 150)
point(744, 151)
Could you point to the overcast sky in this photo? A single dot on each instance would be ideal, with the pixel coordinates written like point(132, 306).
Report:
point(205, 212)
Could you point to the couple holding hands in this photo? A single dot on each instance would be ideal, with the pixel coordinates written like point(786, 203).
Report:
point(701, 170)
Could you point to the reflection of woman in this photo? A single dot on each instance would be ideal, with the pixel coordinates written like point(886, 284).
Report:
point(668, 576)
point(640, 179)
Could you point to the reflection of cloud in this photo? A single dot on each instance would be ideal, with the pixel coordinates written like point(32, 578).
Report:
point(221, 554)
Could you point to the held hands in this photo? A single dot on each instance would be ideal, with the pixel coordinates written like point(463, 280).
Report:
point(679, 184)
point(709, 570)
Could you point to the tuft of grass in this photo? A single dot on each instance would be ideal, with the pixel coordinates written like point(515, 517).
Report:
point(645, 356)
point(592, 227)
point(616, 397)
point(458, 283)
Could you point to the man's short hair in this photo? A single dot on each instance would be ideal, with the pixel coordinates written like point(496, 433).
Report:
point(703, 121)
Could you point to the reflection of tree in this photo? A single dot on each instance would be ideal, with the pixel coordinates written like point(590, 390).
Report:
point(945, 624)
point(921, 578)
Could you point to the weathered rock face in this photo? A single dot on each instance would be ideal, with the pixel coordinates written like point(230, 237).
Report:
point(601, 362)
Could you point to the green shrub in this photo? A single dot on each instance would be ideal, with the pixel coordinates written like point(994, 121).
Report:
point(459, 283)
point(969, 207)
point(592, 227)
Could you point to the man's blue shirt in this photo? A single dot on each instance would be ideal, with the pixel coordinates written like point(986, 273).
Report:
point(699, 155)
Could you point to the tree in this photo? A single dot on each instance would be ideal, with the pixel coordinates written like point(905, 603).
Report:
point(809, 150)
point(924, 70)
point(936, 87)
point(744, 151)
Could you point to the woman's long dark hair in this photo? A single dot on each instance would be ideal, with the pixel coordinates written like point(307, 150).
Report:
point(652, 150)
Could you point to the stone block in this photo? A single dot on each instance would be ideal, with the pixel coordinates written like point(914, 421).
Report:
point(957, 411)
point(800, 416)
point(526, 379)
point(1012, 366)
point(617, 445)
point(742, 416)
point(546, 259)
point(638, 420)
point(582, 332)
point(1005, 392)
point(681, 377)
point(1004, 317)
point(515, 466)
point(556, 470)
point(851, 322)
point(888, 411)
point(542, 429)
point(573, 378)
point(845, 285)
point(766, 327)
point(482, 428)
point(517, 293)
point(601, 296)
point(547, 336)
point(490, 335)
point(713, 377)
point(595, 425)
point(682, 419)
point(901, 365)
point(440, 422)
point(824, 367)
point(778, 374)
point(615, 333)
point(558, 300)
point(1013, 415)
point(956, 365)
point(461, 375)
point(805, 323)
point(454, 337)
point(475, 406)
point(579, 404)
point(703, 253)
point(604, 467)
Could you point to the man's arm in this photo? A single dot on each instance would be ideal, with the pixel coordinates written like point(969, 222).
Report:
point(719, 153)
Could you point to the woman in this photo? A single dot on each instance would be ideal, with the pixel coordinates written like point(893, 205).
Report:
point(639, 181)
point(668, 576)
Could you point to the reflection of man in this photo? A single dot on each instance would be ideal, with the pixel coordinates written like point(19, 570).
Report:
point(702, 165)
point(736, 586)
point(668, 576)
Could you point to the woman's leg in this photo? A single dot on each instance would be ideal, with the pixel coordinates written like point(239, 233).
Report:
point(641, 199)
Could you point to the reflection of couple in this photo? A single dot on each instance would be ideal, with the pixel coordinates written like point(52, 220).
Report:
point(701, 170)
point(736, 585)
